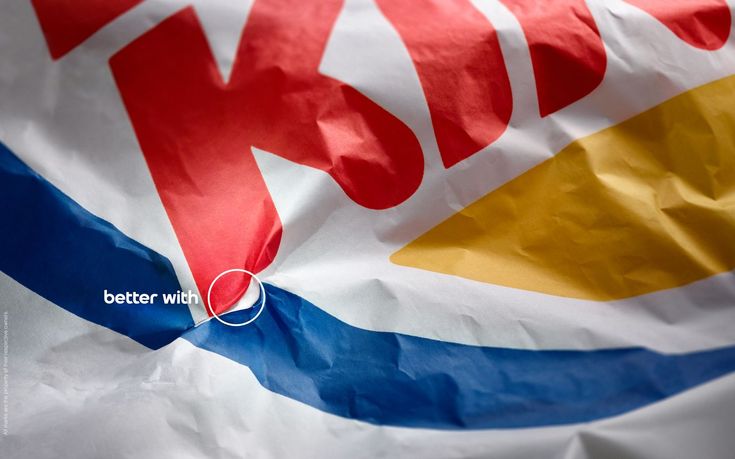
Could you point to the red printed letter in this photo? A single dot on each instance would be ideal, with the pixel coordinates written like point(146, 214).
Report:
point(459, 62)
point(196, 131)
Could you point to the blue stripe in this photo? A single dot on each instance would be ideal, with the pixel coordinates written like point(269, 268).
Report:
point(54, 247)
point(69, 256)
point(298, 350)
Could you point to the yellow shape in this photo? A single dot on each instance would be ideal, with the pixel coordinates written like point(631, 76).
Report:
point(645, 205)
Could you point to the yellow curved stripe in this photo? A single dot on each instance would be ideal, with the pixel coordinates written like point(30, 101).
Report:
point(645, 205)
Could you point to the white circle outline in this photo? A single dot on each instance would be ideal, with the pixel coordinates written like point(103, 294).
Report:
point(262, 294)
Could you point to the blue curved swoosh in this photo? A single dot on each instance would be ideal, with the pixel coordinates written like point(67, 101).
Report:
point(298, 350)
point(53, 246)
point(56, 248)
